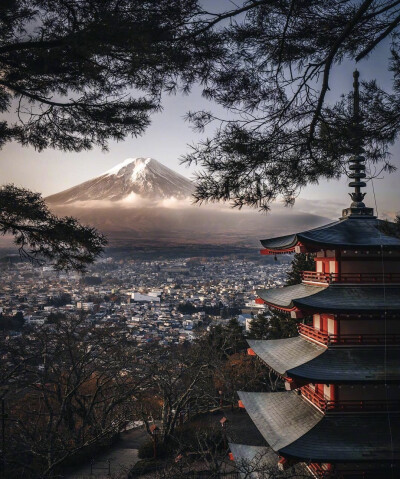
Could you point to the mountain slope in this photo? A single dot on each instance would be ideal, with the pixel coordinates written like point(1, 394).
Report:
point(127, 204)
point(145, 177)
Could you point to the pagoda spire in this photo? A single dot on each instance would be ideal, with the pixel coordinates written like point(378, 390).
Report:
point(357, 161)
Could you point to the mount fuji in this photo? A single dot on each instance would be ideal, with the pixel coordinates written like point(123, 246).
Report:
point(142, 203)
point(145, 177)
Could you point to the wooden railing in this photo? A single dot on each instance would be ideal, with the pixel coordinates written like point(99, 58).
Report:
point(314, 397)
point(318, 471)
point(317, 277)
point(313, 333)
point(349, 405)
point(348, 339)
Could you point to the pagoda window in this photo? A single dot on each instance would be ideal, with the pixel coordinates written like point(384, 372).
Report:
point(332, 325)
point(317, 321)
point(320, 266)
point(330, 392)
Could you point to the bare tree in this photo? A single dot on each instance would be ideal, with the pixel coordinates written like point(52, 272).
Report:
point(75, 390)
point(180, 379)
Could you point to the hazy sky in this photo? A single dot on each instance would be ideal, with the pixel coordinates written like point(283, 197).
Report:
point(167, 139)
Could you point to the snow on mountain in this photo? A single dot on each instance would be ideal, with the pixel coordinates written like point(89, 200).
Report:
point(145, 177)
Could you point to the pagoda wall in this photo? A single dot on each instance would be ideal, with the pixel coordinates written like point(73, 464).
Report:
point(369, 326)
point(360, 392)
point(368, 265)
point(326, 323)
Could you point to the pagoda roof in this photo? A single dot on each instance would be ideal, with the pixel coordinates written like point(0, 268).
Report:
point(333, 298)
point(281, 417)
point(350, 232)
point(284, 297)
point(263, 460)
point(282, 355)
point(299, 358)
point(295, 428)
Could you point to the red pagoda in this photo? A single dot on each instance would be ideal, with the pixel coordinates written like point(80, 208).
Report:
point(339, 415)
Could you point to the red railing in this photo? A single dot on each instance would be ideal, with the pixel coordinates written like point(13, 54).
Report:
point(349, 405)
point(316, 277)
point(314, 397)
point(313, 333)
point(347, 339)
point(318, 471)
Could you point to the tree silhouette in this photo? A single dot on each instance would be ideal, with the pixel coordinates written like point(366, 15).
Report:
point(41, 236)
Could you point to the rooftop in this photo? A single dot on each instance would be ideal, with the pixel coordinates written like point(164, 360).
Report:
point(299, 358)
point(350, 233)
point(334, 298)
point(294, 428)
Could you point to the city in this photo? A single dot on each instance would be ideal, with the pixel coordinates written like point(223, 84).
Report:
point(160, 301)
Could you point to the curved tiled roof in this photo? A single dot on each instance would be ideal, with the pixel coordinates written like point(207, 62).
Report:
point(350, 438)
point(283, 297)
point(345, 233)
point(294, 428)
point(281, 417)
point(299, 358)
point(282, 355)
point(334, 298)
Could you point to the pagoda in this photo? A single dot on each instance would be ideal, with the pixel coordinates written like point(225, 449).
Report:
point(339, 415)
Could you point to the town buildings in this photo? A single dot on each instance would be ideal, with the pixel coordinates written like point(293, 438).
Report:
point(149, 301)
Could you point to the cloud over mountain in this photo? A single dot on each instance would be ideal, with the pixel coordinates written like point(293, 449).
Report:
point(142, 202)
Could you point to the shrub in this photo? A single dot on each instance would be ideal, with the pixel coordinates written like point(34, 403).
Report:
point(144, 466)
point(146, 450)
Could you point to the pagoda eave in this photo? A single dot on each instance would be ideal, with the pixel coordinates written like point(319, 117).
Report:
point(306, 362)
point(348, 233)
point(333, 298)
point(296, 429)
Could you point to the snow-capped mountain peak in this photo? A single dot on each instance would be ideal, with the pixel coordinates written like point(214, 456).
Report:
point(145, 177)
point(135, 165)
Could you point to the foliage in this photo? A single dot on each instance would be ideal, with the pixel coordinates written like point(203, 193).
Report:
point(391, 228)
point(60, 300)
point(91, 280)
point(146, 450)
point(77, 74)
point(227, 339)
point(40, 235)
point(14, 323)
point(259, 327)
point(80, 73)
point(301, 262)
point(282, 133)
point(144, 466)
point(280, 324)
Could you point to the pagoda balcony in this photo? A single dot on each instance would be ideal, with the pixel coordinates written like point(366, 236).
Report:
point(314, 334)
point(332, 406)
point(318, 471)
point(328, 339)
point(365, 278)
